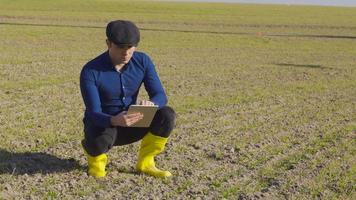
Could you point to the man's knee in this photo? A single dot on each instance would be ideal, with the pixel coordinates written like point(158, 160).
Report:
point(163, 122)
point(100, 144)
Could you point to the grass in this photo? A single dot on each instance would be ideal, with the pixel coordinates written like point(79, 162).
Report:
point(264, 94)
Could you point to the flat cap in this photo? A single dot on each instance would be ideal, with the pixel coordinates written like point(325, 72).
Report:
point(122, 32)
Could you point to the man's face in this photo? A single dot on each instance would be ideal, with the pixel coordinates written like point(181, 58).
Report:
point(120, 54)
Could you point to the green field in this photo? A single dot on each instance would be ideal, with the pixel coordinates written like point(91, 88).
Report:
point(265, 96)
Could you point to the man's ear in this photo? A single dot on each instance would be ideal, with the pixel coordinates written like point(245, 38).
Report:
point(108, 43)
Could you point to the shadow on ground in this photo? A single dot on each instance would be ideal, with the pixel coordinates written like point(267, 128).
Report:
point(34, 162)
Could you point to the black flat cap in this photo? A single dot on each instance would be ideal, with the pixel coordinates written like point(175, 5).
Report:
point(123, 33)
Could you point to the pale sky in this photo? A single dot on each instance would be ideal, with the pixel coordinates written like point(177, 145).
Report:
point(296, 2)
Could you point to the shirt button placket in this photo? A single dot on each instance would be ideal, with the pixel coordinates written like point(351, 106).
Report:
point(123, 88)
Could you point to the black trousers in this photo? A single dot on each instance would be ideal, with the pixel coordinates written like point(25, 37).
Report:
point(100, 140)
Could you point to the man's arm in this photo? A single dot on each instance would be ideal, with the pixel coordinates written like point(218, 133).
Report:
point(153, 84)
point(92, 101)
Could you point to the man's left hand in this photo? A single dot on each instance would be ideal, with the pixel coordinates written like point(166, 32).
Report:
point(146, 103)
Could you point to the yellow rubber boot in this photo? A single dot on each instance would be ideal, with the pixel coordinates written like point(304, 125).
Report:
point(97, 164)
point(151, 146)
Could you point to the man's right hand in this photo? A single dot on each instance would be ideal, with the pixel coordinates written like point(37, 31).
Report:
point(126, 120)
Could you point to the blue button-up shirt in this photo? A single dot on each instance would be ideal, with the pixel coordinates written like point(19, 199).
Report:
point(107, 92)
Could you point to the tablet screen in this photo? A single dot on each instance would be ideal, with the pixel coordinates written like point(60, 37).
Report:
point(148, 114)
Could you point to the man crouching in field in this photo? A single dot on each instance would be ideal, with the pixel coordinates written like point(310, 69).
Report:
point(109, 85)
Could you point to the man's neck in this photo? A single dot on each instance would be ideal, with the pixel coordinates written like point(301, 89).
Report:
point(118, 67)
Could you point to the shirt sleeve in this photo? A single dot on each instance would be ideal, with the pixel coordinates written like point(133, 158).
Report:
point(153, 84)
point(92, 101)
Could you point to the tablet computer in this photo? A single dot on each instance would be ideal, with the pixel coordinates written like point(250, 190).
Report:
point(148, 114)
